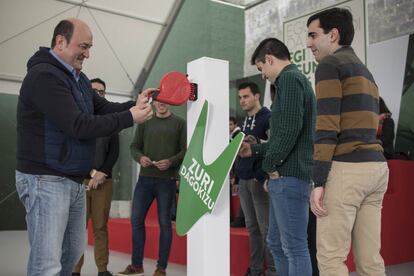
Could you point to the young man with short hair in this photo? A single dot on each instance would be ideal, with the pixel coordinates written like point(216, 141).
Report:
point(253, 198)
point(350, 172)
point(159, 146)
point(287, 157)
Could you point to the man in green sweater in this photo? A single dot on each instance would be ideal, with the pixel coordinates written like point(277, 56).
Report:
point(350, 172)
point(159, 147)
point(287, 157)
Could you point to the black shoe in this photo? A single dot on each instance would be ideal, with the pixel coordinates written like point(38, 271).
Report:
point(75, 274)
point(105, 273)
point(238, 223)
point(249, 273)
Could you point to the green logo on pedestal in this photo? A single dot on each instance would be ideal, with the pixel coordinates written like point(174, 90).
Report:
point(200, 184)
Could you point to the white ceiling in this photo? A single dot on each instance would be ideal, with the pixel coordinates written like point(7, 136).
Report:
point(127, 34)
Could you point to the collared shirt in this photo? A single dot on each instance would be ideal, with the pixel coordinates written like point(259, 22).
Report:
point(67, 66)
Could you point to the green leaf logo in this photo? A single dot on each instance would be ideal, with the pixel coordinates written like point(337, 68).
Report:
point(201, 184)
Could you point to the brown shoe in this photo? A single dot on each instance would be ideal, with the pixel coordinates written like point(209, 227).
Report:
point(159, 272)
point(132, 270)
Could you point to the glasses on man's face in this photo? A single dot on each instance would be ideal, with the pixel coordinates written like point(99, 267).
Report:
point(100, 92)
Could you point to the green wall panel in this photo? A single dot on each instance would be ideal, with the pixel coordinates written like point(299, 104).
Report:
point(202, 28)
point(12, 213)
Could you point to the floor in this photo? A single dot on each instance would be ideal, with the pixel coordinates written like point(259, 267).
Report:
point(14, 253)
point(14, 248)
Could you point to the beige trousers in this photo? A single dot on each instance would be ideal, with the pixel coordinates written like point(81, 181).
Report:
point(98, 204)
point(353, 198)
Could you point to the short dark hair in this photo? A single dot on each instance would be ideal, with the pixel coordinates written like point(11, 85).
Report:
point(338, 18)
point(270, 46)
point(253, 87)
point(98, 80)
point(233, 119)
point(64, 28)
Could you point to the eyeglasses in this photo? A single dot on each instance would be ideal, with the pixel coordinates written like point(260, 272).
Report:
point(99, 92)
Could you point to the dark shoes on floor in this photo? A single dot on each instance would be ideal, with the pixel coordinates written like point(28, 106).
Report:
point(104, 273)
point(238, 222)
point(160, 272)
point(250, 273)
point(132, 270)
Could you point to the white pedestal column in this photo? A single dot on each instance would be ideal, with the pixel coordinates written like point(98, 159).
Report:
point(208, 242)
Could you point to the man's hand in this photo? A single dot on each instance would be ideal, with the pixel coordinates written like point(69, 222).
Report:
point(144, 161)
point(162, 165)
point(316, 202)
point(234, 189)
point(250, 139)
point(274, 175)
point(245, 150)
point(144, 96)
point(266, 185)
point(142, 111)
point(97, 179)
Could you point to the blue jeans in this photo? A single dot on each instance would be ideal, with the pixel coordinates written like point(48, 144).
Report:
point(146, 190)
point(55, 218)
point(288, 221)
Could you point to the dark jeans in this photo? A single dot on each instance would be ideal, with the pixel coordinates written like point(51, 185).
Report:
point(146, 190)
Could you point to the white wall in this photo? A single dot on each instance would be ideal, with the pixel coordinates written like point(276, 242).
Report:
point(386, 61)
point(125, 35)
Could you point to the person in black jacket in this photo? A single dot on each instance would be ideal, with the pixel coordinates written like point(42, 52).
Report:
point(385, 130)
point(238, 219)
point(99, 193)
point(59, 117)
point(253, 198)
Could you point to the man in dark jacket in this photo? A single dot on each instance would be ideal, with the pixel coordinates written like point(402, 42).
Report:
point(99, 192)
point(253, 198)
point(57, 125)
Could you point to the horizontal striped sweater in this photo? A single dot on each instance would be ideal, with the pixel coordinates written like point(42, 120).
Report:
point(347, 113)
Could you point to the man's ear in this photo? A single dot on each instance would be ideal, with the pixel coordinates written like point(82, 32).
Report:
point(60, 42)
point(269, 59)
point(335, 35)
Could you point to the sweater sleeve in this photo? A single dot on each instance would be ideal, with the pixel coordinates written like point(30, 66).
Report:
point(112, 156)
point(137, 144)
point(102, 106)
point(177, 159)
point(328, 99)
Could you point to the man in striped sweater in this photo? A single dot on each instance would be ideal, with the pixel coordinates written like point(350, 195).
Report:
point(287, 157)
point(350, 172)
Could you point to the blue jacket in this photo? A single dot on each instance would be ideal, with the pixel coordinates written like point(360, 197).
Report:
point(57, 122)
point(257, 126)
